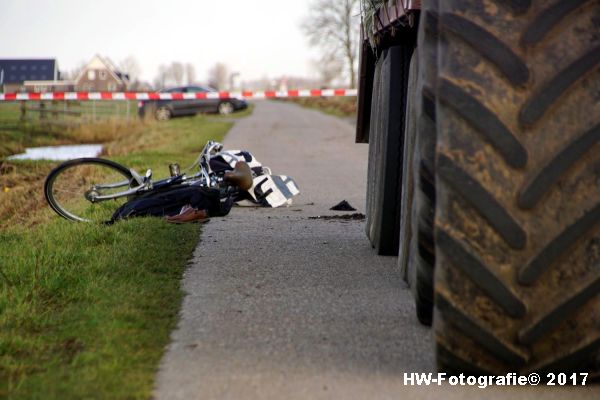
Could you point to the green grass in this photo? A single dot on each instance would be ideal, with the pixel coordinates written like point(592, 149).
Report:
point(336, 106)
point(110, 126)
point(11, 135)
point(86, 310)
point(243, 113)
point(17, 134)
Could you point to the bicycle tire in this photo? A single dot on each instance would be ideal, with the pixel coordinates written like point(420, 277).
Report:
point(88, 212)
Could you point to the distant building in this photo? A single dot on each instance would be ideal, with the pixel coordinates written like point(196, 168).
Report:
point(42, 75)
point(15, 72)
point(101, 75)
point(48, 86)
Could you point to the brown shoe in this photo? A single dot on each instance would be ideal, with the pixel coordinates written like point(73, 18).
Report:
point(189, 215)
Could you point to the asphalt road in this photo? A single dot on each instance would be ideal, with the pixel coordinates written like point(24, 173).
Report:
point(283, 306)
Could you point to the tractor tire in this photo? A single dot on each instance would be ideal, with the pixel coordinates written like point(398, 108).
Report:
point(407, 244)
point(424, 166)
point(517, 235)
point(386, 142)
point(416, 255)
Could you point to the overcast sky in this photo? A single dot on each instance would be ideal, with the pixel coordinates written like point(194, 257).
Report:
point(254, 37)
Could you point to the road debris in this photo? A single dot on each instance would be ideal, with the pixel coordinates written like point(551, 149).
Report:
point(343, 206)
point(345, 217)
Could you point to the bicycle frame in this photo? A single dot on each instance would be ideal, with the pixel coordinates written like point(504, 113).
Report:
point(206, 176)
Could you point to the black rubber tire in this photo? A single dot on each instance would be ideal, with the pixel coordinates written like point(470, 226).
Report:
point(64, 168)
point(424, 165)
point(407, 244)
point(386, 142)
point(373, 166)
point(517, 235)
point(415, 254)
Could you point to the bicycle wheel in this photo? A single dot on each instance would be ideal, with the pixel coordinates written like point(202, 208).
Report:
point(71, 188)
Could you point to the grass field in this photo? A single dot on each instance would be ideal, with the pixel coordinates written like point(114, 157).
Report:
point(16, 134)
point(85, 311)
point(338, 106)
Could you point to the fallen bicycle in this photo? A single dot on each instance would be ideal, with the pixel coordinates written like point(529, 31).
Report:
point(101, 190)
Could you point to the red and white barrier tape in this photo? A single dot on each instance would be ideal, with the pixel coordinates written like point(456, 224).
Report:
point(268, 94)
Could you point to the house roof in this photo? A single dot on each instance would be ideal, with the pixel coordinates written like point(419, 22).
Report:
point(99, 62)
point(20, 70)
point(122, 76)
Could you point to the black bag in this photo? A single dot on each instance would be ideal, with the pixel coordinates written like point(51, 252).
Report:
point(170, 202)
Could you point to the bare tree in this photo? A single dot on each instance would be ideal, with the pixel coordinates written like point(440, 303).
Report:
point(218, 76)
point(190, 73)
point(329, 69)
point(131, 67)
point(177, 72)
point(332, 27)
point(161, 78)
point(73, 73)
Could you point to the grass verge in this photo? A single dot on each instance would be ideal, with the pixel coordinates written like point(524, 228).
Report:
point(337, 106)
point(17, 134)
point(85, 311)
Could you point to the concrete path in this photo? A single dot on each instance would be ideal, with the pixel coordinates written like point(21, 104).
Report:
point(282, 306)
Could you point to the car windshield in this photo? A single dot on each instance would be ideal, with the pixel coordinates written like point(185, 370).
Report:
point(200, 89)
point(195, 89)
point(189, 89)
point(173, 90)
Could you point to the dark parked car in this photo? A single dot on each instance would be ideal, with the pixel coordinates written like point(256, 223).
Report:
point(166, 109)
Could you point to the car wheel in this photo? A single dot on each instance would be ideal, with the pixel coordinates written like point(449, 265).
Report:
point(163, 114)
point(225, 108)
